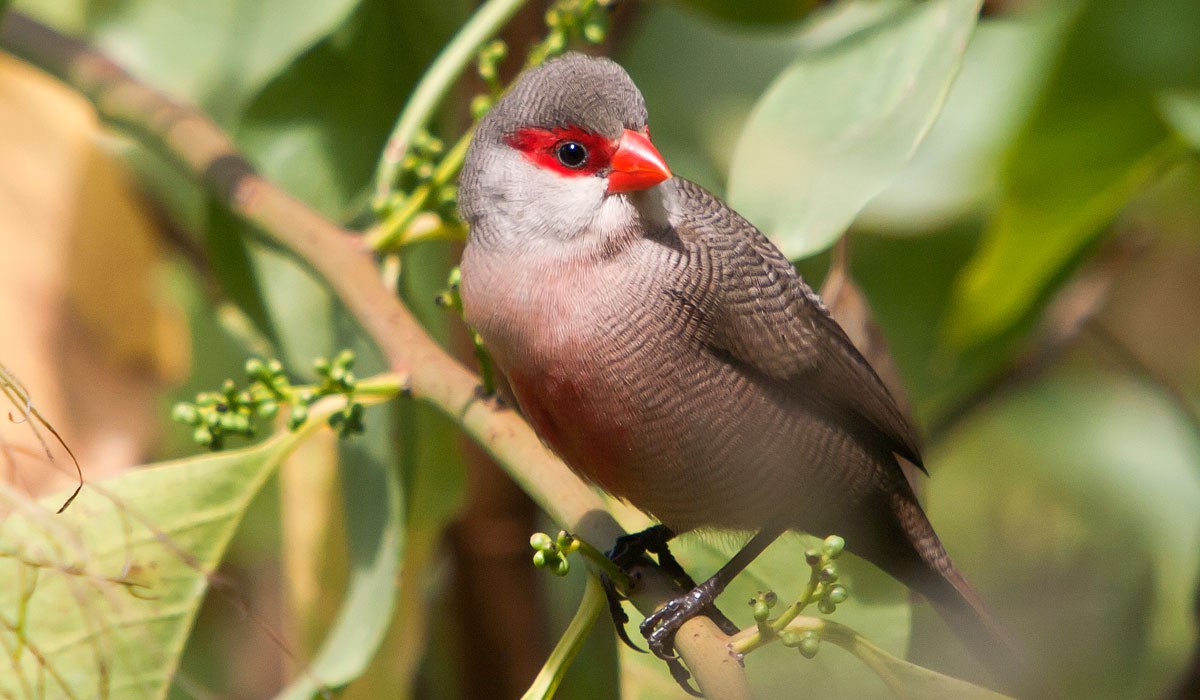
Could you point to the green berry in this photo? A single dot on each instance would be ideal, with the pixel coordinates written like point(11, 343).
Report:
point(556, 42)
point(541, 541)
point(809, 645)
point(539, 559)
point(833, 546)
point(595, 29)
point(185, 413)
point(480, 104)
point(299, 415)
point(826, 606)
point(838, 594)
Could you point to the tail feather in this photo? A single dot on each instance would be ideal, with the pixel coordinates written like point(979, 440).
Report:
point(914, 555)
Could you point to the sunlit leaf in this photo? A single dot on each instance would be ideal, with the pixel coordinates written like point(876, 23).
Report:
point(727, 64)
point(1181, 109)
point(834, 128)
point(100, 599)
point(953, 173)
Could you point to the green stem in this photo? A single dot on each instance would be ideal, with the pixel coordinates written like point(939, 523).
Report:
point(767, 631)
point(390, 233)
point(381, 386)
point(568, 646)
point(867, 651)
point(604, 564)
point(436, 83)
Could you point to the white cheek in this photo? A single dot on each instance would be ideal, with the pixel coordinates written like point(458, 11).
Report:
point(544, 204)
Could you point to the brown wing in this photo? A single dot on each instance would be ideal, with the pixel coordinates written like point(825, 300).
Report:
point(764, 318)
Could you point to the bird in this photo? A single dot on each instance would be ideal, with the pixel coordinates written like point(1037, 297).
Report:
point(670, 354)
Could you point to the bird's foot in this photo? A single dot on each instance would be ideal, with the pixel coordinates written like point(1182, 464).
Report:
point(630, 550)
point(627, 552)
point(659, 628)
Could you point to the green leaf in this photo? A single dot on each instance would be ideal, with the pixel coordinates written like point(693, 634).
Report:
point(1181, 109)
point(955, 171)
point(837, 126)
point(100, 599)
point(217, 53)
point(374, 512)
point(728, 65)
point(1096, 140)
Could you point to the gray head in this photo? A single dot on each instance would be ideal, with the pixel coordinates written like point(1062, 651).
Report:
point(558, 155)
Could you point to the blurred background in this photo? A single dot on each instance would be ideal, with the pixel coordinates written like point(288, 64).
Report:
point(1031, 262)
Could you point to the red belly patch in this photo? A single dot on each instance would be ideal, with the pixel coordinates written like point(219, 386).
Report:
point(590, 435)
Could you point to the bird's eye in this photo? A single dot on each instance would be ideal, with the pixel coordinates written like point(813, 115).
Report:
point(571, 154)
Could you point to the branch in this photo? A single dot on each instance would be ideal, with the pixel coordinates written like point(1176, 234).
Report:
point(198, 145)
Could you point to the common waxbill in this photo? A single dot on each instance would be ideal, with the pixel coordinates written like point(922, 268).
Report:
point(670, 354)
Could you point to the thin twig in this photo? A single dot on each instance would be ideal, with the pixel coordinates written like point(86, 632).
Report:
point(198, 145)
point(436, 83)
point(1139, 368)
point(20, 397)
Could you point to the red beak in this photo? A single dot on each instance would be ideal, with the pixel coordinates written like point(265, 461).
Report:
point(636, 164)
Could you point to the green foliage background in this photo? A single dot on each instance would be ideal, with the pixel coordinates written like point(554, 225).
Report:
point(1071, 496)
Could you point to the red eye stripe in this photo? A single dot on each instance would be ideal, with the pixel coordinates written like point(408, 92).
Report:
point(540, 145)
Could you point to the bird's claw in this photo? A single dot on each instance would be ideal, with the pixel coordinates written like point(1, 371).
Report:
point(660, 627)
point(617, 611)
point(682, 677)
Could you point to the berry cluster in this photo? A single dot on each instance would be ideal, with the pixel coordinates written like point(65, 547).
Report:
point(216, 415)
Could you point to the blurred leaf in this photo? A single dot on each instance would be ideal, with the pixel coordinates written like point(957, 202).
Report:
point(375, 529)
point(834, 128)
point(217, 53)
point(729, 65)
point(753, 11)
point(1095, 140)
point(1087, 484)
point(1181, 109)
point(954, 171)
point(105, 593)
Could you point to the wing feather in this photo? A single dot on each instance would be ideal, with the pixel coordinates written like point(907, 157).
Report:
point(767, 320)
